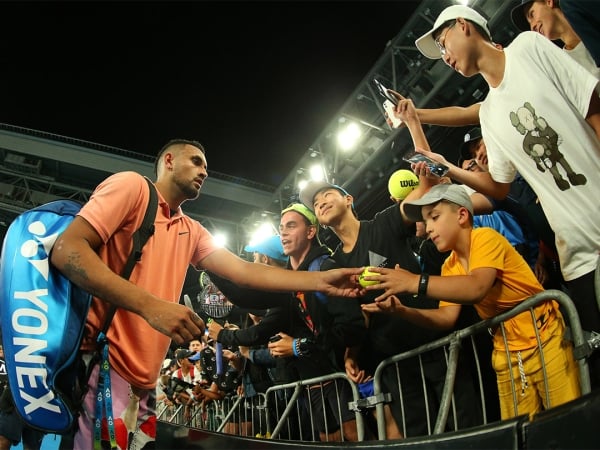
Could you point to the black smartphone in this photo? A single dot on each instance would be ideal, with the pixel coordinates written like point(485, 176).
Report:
point(385, 93)
point(274, 338)
point(435, 168)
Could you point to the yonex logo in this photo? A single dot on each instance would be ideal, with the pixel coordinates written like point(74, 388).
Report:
point(39, 320)
point(31, 248)
point(29, 321)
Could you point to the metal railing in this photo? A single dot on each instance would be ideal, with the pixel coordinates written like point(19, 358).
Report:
point(453, 342)
point(287, 412)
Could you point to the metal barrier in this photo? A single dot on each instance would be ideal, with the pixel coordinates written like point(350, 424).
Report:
point(286, 411)
point(205, 415)
point(453, 341)
point(246, 417)
point(299, 408)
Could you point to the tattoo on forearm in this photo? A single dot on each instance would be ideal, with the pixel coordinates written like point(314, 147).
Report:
point(73, 269)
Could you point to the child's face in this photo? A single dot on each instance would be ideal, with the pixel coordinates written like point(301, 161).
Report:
point(441, 224)
point(330, 204)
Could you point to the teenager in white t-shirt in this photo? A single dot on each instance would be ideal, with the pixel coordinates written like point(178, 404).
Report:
point(541, 118)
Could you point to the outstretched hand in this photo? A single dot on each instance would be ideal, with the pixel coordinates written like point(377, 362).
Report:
point(390, 305)
point(340, 282)
point(176, 321)
point(392, 281)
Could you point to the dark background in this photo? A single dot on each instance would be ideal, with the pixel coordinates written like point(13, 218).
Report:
point(254, 82)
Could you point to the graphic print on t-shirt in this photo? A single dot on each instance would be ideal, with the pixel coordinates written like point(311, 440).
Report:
point(376, 260)
point(541, 145)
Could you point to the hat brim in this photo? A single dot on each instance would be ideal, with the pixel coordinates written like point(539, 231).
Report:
point(426, 45)
point(474, 134)
point(412, 210)
point(194, 357)
point(303, 210)
point(270, 247)
point(183, 355)
point(517, 15)
point(307, 194)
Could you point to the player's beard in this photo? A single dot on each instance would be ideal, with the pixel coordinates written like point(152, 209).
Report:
point(187, 188)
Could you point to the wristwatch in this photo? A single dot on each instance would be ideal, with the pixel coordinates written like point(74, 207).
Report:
point(304, 345)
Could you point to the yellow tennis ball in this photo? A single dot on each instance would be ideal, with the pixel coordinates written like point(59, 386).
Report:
point(367, 273)
point(401, 183)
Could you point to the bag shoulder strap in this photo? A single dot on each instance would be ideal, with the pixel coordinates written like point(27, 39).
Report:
point(143, 233)
point(140, 237)
point(314, 266)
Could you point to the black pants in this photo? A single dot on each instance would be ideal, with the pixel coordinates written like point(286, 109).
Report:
point(583, 294)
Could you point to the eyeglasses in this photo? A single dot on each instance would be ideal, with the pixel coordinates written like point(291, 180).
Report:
point(438, 42)
point(472, 165)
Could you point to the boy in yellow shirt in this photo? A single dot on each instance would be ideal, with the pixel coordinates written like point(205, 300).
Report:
point(485, 271)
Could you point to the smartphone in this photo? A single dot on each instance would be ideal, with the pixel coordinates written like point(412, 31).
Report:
point(385, 92)
point(434, 167)
point(389, 109)
point(275, 338)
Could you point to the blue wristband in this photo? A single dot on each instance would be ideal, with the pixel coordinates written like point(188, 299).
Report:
point(294, 347)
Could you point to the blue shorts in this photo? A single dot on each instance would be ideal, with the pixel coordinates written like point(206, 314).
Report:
point(366, 389)
point(13, 429)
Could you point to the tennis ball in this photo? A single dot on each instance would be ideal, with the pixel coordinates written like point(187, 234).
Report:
point(401, 183)
point(367, 273)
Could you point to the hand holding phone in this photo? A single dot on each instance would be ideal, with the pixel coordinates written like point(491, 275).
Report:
point(275, 338)
point(385, 92)
point(434, 167)
point(389, 109)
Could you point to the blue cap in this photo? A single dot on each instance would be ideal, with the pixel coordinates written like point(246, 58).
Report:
point(195, 357)
point(271, 247)
point(184, 353)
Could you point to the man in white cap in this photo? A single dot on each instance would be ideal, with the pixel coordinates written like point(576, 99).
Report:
point(541, 118)
point(547, 18)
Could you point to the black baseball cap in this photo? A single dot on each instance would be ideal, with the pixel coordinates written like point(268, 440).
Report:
point(517, 15)
point(465, 152)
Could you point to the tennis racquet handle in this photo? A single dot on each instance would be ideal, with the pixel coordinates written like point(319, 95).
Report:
point(219, 355)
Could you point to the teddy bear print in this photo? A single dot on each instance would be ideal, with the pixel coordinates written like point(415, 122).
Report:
point(541, 145)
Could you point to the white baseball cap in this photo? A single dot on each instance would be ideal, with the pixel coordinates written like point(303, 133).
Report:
point(426, 44)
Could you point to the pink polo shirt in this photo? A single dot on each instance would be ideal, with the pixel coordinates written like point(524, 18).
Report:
point(115, 210)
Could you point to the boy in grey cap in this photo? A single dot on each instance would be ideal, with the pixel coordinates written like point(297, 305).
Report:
point(485, 271)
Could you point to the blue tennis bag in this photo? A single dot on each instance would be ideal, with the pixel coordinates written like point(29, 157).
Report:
point(42, 315)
